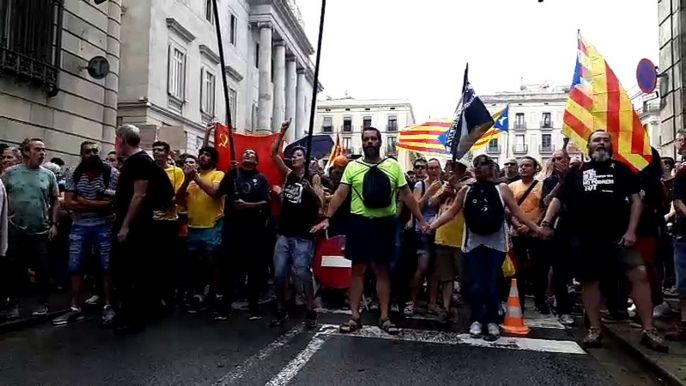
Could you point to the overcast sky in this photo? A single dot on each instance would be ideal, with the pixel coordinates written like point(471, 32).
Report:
point(417, 49)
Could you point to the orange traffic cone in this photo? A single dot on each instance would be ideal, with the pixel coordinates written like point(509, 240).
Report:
point(514, 320)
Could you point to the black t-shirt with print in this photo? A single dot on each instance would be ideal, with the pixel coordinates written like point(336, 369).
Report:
point(596, 196)
point(299, 209)
point(250, 186)
point(139, 166)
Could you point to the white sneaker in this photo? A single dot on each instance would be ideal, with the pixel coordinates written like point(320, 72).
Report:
point(566, 320)
point(93, 300)
point(493, 330)
point(662, 310)
point(475, 329)
point(631, 311)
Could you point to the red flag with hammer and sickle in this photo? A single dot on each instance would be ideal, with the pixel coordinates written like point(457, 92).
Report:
point(223, 146)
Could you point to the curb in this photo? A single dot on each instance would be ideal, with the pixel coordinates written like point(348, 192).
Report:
point(29, 322)
point(665, 375)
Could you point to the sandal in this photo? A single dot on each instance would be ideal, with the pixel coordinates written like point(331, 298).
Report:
point(390, 328)
point(351, 326)
point(409, 309)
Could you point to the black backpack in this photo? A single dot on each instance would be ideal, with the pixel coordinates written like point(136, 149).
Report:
point(484, 213)
point(376, 188)
point(160, 189)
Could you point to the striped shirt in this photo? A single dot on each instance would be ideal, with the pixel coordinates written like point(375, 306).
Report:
point(91, 190)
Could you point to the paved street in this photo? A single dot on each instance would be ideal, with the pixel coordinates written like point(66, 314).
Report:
point(185, 350)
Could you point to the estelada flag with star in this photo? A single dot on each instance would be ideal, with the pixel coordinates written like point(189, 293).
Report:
point(598, 102)
point(500, 126)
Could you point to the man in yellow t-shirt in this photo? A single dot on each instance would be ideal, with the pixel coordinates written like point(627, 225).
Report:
point(449, 237)
point(200, 194)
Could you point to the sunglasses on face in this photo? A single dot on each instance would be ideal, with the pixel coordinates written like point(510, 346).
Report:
point(510, 164)
point(91, 151)
point(421, 167)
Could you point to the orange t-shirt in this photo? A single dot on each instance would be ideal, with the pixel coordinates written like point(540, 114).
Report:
point(532, 204)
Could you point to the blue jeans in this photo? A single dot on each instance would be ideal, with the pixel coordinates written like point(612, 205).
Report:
point(293, 252)
point(83, 239)
point(680, 266)
point(483, 266)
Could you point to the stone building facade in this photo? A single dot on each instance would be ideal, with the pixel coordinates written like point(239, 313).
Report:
point(672, 27)
point(45, 89)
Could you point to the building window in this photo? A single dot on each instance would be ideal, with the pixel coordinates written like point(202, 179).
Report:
point(257, 55)
point(547, 120)
point(392, 141)
point(546, 143)
point(493, 144)
point(233, 24)
point(366, 122)
point(253, 122)
point(520, 123)
point(348, 145)
point(392, 124)
point(327, 125)
point(209, 11)
point(207, 92)
point(28, 40)
point(347, 125)
point(176, 87)
point(233, 98)
point(520, 144)
point(198, 142)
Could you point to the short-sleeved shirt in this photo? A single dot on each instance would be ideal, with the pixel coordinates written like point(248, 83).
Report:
point(596, 195)
point(452, 232)
point(354, 177)
point(299, 209)
point(176, 176)
point(30, 193)
point(531, 206)
point(250, 186)
point(91, 188)
point(137, 167)
point(204, 211)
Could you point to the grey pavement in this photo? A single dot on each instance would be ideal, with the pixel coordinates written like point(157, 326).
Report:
point(196, 350)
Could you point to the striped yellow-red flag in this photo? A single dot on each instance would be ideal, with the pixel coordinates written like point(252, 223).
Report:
point(423, 138)
point(336, 150)
point(598, 102)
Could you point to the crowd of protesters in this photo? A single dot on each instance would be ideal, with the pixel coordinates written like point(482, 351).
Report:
point(142, 234)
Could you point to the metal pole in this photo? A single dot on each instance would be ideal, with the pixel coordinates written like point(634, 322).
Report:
point(315, 88)
point(220, 44)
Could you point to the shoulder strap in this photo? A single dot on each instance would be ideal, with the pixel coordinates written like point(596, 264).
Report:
point(423, 187)
point(526, 194)
point(107, 175)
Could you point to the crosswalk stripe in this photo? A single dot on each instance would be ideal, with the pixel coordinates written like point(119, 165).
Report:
point(449, 338)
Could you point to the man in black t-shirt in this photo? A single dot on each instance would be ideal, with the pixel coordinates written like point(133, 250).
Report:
point(134, 216)
point(246, 211)
point(602, 197)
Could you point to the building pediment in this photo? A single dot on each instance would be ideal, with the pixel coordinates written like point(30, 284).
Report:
point(180, 30)
point(209, 54)
point(233, 73)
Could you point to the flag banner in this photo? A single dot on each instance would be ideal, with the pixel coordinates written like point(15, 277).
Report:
point(472, 120)
point(424, 138)
point(500, 126)
point(336, 150)
point(597, 101)
point(223, 146)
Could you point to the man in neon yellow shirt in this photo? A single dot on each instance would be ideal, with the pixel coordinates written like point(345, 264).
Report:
point(374, 184)
point(205, 209)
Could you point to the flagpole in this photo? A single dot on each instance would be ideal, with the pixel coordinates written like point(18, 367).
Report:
point(315, 87)
point(222, 61)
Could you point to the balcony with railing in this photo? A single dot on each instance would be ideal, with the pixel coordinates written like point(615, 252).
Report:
point(347, 128)
point(520, 148)
point(546, 125)
point(327, 129)
point(546, 149)
point(392, 128)
point(493, 149)
point(521, 125)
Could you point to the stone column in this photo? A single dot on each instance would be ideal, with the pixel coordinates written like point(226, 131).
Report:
point(279, 85)
point(291, 97)
point(265, 108)
point(300, 118)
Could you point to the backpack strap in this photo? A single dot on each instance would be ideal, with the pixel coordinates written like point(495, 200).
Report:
point(526, 194)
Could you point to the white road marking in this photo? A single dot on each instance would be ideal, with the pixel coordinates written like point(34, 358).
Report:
point(348, 312)
point(293, 367)
point(240, 370)
point(449, 338)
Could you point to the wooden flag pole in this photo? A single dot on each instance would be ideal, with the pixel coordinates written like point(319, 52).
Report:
point(222, 61)
point(315, 88)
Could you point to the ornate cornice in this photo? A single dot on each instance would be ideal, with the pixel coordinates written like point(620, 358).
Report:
point(175, 26)
point(209, 54)
point(232, 72)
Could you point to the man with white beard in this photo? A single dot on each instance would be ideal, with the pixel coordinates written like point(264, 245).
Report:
point(604, 206)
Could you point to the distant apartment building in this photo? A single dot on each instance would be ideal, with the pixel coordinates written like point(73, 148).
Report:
point(535, 122)
point(171, 77)
point(347, 117)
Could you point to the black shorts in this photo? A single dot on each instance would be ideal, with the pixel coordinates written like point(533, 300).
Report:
point(594, 259)
point(371, 240)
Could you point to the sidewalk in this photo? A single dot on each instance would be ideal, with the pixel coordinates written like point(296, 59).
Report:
point(671, 367)
point(57, 303)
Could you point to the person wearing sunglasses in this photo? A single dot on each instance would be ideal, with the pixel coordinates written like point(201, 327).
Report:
point(510, 171)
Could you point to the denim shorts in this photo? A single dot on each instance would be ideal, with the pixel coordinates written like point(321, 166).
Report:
point(293, 253)
point(205, 239)
point(680, 266)
point(83, 240)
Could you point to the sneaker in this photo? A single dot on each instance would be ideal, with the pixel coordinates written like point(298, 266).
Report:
point(93, 300)
point(108, 315)
point(409, 309)
point(593, 338)
point(654, 341)
point(395, 307)
point(13, 313)
point(493, 331)
point(631, 310)
point(311, 319)
point(281, 318)
point(196, 304)
point(662, 310)
point(73, 315)
point(475, 330)
point(566, 320)
point(40, 310)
